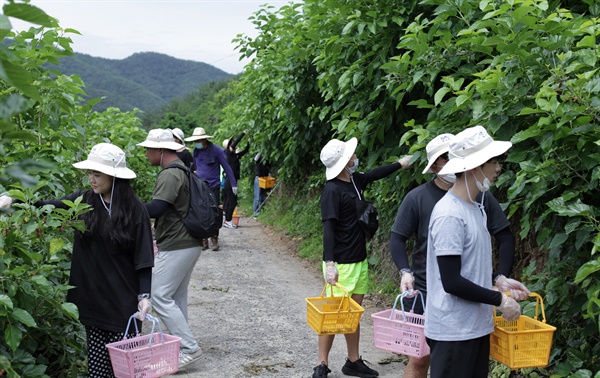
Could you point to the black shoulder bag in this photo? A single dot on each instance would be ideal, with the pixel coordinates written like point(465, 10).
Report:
point(368, 219)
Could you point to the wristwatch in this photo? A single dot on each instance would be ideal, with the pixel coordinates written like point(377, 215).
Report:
point(405, 270)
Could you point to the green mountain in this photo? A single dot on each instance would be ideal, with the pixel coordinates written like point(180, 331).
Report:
point(146, 81)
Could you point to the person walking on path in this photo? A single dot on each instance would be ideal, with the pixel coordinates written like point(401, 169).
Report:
point(233, 159)
point(183, 153)
point(111, 267)
point(344, 243)
point(261, 169)
point(178, 251)
point(413, 219)
point(459, 316)
point(208, 159)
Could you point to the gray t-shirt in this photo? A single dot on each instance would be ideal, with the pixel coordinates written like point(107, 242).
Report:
point(458, 228)
point(413, 219)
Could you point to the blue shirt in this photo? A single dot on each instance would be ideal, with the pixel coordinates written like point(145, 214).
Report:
point(209, 161)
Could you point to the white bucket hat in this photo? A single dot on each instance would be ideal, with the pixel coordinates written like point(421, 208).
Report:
point(108, 159)
point(178, 133)
point(435, 148)
point(471, 148)
point(336, 154)
point(226, 143)
point(160, 138)
point(198, 134)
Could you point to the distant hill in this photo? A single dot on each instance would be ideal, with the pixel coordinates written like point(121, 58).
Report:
point(145, 81)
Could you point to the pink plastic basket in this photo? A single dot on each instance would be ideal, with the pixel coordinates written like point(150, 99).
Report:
point(400, 332)
point(148, 356)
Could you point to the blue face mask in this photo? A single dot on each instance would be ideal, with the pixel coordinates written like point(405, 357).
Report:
point(199, 146)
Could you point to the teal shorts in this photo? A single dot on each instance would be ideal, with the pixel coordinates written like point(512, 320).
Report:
point(354, 278)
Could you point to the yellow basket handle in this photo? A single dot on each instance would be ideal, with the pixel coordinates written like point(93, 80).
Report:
point(346, 297)
point(539, 303)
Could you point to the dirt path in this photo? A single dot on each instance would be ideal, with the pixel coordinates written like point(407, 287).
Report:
point(248, 311)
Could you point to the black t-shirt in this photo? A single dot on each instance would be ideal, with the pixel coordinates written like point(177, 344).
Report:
point(338, 202)
point(186, 157)
point(105, 282)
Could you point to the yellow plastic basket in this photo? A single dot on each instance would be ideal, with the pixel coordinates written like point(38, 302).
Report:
point(266, 182)
point(333, 315)
point(522, 343)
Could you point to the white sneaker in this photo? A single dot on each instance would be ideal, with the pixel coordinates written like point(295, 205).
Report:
point(186, 359)
point(229, 224)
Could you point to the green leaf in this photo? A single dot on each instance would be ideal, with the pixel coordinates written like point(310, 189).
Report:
point(29, 13)
point(23, 317)
point(586, 269)
point(70, 310)
point(6, 301)
point(56, 245)
point(439, 95)
point(13, 336)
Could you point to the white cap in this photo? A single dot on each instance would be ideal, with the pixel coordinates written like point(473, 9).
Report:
point(160, 138)
point(108, 159)
point(198, 134)
point(336, 154)
point(471, 148)
point(435, 148)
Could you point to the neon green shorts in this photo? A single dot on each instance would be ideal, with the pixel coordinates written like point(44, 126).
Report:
point(354, 278)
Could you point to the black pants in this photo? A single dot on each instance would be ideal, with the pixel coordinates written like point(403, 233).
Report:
point(217, 194)
point(229, 200)
point(465, 359)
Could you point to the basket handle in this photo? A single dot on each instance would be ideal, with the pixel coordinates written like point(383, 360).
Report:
point(401, 297)
point(155, 323)
point(346, 295)
point(539, 303)
point(137, 331)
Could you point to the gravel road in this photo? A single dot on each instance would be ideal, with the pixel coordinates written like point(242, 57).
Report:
point(248, 311)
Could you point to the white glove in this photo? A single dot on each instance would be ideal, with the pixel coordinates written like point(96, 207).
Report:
point(517, 290)
point(331, 274)
point(511, 310)
point(234, 190)
point(5, 201)
point(144, 307)
point(405, 162)
point(407, 282)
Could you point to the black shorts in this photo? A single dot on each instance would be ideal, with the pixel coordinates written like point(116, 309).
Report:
point(465, 359)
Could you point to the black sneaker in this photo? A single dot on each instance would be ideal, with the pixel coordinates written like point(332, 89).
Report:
point(359, 369)
point(321, 371)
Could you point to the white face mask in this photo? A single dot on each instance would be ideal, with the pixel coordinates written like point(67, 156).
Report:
point(448, 178)
point(352, 169)
point(485, 185)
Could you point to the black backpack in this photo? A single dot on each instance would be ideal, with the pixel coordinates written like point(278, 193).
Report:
point(204, 216)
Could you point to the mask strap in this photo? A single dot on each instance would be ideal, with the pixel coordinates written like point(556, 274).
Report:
point(355, 188)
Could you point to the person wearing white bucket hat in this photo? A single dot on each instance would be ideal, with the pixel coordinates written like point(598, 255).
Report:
point(178, 251)
point(112, 260)
point(183, 153)
point(412, 219)
point(460, 280)
point(208, 160)
point(344, 242)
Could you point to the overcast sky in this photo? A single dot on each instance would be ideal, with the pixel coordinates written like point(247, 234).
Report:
point(199, 30)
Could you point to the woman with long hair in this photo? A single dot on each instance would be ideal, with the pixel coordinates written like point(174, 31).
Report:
point(111, 266)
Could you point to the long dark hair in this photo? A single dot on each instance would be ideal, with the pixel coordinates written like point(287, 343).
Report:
point(125, 206)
